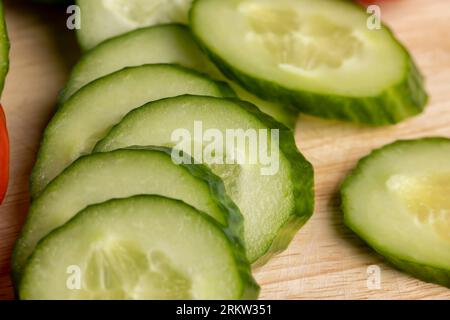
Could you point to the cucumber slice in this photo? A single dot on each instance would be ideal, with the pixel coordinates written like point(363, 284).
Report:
point(104, 19)
point(121, 174)
point(170, 43)
point(145, 247)
point(274, 206)
point(397, 200)
point(4, 49)
point(89, 115)
point(319, 56)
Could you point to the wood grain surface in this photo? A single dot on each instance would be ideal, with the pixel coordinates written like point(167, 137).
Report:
point(324, 261)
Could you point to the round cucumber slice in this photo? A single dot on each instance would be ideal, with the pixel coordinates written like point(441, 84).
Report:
point(319, 56)
point(85, 118)
point(104, 19)
point(144, 247)
point(4, 49)
point(171, 43)
point(274, 205)
point(397, 200)
point(121, 174)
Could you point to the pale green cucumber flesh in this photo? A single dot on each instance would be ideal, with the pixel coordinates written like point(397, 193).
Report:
point(4, 49)
point(143, 247)
point(104, 19)
point(397, 200)
point(121, 174)
point(280, 112)
point(274, 206)
point(171, 43)
point(318, 56)
point(88, 115)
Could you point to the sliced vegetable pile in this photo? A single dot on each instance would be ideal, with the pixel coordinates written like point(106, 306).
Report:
point(117, 209)
point(397, 200)
point(88, 116)
point(135, 171)
point(4, 141)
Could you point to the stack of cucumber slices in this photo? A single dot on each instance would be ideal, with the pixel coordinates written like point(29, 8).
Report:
point(4, 49)
point(125, 206)
point(222, 217)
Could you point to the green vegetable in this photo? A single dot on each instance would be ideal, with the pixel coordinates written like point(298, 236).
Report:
point(4, 49)
point(319, 56)
point(121, 174)
point(104, 19)
point(57, 2)
point(274, 204)
point(145, 247)
point(89, 114)
point(397, 200)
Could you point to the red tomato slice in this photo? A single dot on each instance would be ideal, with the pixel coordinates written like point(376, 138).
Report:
point(4, 156)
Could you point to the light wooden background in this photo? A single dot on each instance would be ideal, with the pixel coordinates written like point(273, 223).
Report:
point(325, 260)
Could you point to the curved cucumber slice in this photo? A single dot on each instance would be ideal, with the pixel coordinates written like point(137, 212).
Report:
point(397, 200)
point(104, 19)
point(274, 204)
point(121, 174)
point(4, 49)
point(319, 56)
point(145, 247)
point(85, 118)
point(170, 43)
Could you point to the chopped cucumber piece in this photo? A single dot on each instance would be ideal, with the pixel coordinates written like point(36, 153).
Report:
point(121, 174)
point(145, 247)
point(170, 43)
point(274, 204)
point(4, 49)
point(397, 200)
point(319, 56)
point(85, 118)
point(104, 19)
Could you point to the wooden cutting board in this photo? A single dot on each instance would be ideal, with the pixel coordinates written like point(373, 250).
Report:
point(325, 260)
